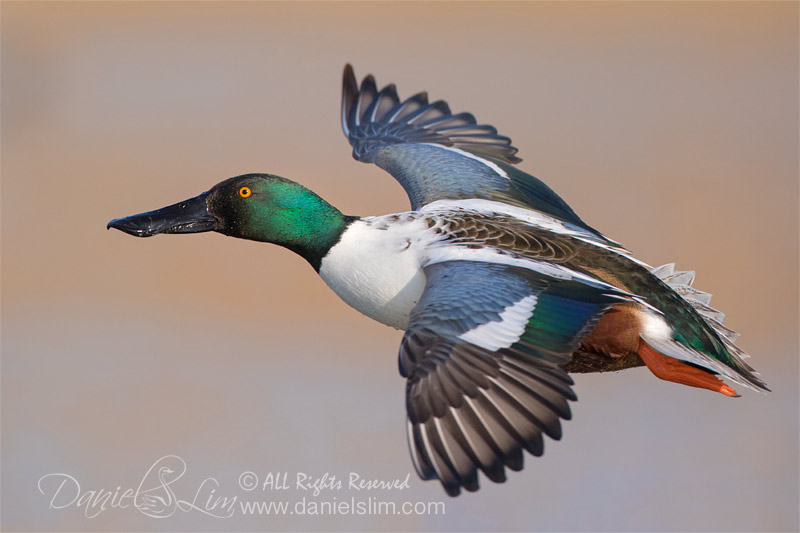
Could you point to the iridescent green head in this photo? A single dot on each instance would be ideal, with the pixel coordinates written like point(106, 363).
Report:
point(259, 207)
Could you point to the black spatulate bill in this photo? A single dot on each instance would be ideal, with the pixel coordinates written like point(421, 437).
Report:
point(189, 216)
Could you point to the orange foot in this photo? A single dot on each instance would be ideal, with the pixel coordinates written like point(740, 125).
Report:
point(670, 369)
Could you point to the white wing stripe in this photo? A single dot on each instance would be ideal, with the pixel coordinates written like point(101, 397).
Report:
point(503, 333)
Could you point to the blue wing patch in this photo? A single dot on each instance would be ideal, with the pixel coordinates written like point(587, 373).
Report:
point(462, 296)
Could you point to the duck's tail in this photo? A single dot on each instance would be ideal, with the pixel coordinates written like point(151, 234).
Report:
point(681, 282)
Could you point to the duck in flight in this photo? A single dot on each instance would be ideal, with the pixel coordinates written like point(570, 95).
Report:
point(500, 287)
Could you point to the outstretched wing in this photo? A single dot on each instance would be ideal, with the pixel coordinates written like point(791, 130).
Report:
point(438, 155)
point(481, 355)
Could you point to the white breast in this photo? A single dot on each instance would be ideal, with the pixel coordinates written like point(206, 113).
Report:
point(376, 266)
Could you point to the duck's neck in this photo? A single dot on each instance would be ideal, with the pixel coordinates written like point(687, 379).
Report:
point(319, 230)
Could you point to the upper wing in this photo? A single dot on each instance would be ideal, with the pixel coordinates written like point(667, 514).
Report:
point(437, 155)
point(481, 355)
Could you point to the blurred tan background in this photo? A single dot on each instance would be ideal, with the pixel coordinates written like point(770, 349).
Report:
point(671, 127)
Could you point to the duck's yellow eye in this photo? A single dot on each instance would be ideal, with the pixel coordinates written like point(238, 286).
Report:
point(244, 192)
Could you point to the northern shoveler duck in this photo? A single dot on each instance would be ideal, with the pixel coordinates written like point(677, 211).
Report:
point(500, 287)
